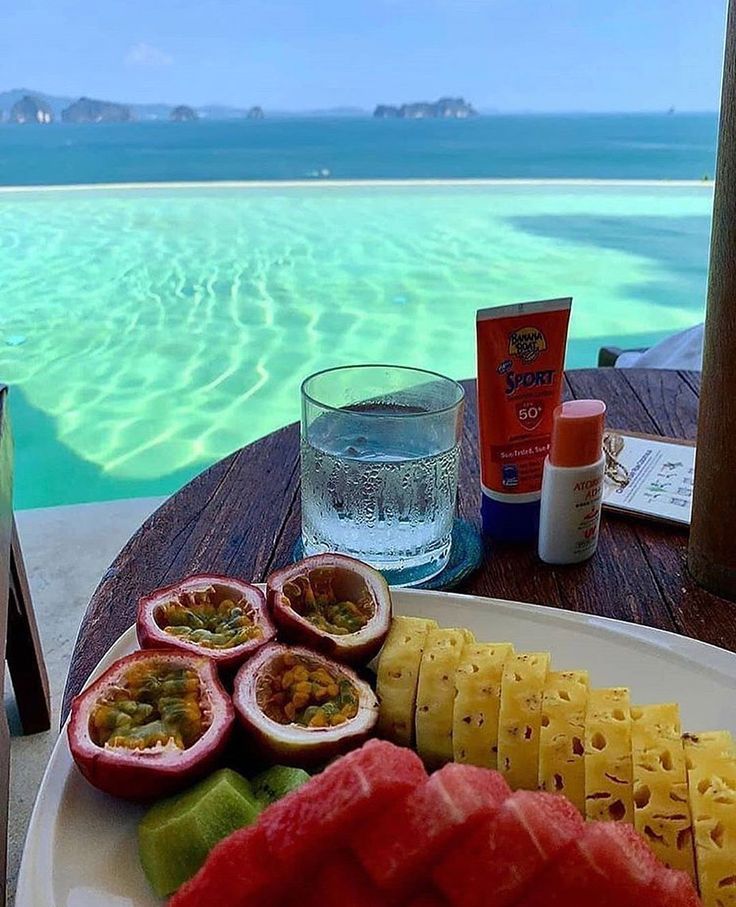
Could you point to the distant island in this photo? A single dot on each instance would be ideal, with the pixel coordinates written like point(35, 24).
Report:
point(30, 109)
point(183, 114)
point(25, 106)
point(40, 107)
point(87, 110)
point(444, 108)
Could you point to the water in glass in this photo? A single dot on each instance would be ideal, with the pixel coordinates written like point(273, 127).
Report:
point(385, 495)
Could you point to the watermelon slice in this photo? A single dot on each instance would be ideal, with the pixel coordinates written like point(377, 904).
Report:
point(338, 882)
point(610, 865)
point(364, 781)
point(673, 887)
point(501, 858)
point(398, 844)
point(237, 872)
point(428, 897)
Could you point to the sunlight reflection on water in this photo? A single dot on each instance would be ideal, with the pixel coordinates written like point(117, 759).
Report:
point(158, 330)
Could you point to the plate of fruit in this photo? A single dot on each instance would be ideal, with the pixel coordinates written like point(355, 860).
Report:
point(327, 741)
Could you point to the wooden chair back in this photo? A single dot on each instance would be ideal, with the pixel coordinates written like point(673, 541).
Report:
point(19, 636)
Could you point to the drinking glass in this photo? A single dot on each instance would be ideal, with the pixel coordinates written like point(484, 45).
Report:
point(379, 460)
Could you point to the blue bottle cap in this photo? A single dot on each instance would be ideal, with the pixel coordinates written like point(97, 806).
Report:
point(506, 521)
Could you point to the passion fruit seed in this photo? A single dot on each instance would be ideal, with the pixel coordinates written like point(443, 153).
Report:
point(199, 617)
point(309, 696)
point(316, 597)
point(153, 704)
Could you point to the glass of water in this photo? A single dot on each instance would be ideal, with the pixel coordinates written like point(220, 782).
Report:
point(379, 455)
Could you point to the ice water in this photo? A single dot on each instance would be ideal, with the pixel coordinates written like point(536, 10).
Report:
point(380, 491)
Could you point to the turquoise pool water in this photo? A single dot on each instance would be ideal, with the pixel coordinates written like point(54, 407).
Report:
point(147, 332)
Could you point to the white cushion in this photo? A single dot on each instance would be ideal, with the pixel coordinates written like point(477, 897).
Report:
point(683, 350)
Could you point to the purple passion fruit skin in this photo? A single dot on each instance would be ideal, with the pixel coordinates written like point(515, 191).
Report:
point(331, 603)
point(154, 722)
point(222, 618)
point(301, 708)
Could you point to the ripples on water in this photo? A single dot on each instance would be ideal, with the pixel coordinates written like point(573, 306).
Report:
point(155, 331)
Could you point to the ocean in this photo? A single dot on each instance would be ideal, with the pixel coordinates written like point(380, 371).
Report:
point(147, 331)
point(622, 146)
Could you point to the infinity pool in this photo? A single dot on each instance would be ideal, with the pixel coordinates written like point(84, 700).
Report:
point(148, 332)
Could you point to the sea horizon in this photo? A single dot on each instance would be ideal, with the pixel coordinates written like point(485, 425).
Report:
point(216, 110)
point(348, 113)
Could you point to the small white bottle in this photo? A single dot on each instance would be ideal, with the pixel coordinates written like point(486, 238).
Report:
point(572, 483)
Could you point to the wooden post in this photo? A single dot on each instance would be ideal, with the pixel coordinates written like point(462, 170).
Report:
point(712, 551)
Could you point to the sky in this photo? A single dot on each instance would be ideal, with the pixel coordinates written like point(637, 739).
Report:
point(505, 55)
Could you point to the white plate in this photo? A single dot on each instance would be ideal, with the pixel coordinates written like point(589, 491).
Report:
point(81, 844)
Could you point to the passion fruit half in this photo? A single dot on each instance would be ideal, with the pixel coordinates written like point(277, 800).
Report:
point(298, 706)
point(153, 723)
point(217, 616)
point(331, 603)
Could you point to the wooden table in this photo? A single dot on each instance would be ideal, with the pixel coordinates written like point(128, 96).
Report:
point(242, 516)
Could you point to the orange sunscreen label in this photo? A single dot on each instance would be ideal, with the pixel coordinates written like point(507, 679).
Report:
point(521, 356)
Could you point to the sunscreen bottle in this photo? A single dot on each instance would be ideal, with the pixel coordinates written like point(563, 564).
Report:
point(521, 354)
point(572, 483)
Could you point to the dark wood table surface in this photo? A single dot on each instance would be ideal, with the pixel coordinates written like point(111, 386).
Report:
point(242, 516)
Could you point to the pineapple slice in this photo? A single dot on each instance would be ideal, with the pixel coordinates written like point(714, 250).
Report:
point(661, 809)
point(608, 768)
point(477, 703)
point(711, 759)
point(562, 735)
point(436, 694)
point(398, 675)
point(520, 718)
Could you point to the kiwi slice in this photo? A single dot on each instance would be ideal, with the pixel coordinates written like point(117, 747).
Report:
point(276, 782)
point(176, 835)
